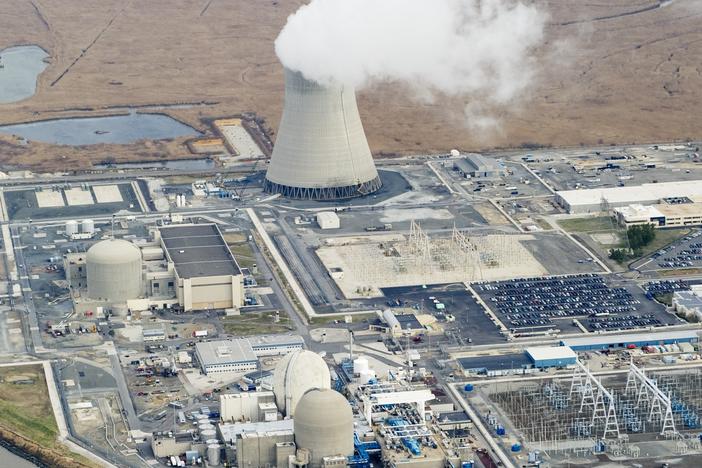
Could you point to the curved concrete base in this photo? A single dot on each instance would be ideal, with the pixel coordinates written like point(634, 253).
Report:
point(323, 193)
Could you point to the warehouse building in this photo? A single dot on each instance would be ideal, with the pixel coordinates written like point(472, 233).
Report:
point(248, 406)
point(479, 166)
point(275, 345)
point(497, 365)
point(689, 303)
point(592, 200)
point(207, 275)
point(552, 356)
point(614, 342)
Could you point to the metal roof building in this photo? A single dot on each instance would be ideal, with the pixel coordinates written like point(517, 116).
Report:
point(552, 356)
point(604, 342)
point(206, 273)
point(503, 364)
point(590, 200)
point(477, 165)
point(321, 152)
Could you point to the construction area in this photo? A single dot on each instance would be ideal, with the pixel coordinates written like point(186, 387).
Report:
point(418, 258)
point(628, 414)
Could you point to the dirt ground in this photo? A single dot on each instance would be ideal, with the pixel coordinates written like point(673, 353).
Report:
point(621, 75)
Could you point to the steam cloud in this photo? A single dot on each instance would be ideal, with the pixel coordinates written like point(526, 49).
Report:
point(480, 50)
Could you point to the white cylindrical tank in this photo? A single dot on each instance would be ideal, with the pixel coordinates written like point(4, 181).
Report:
point(324, 425)
point(321, 151)
point(71, 227)
point(360, 365)
point(114, 271)
point(88, 226)
point(455, 153)
point(205, 427)
point(213, 454)
point(208, 434)
point(295, 374)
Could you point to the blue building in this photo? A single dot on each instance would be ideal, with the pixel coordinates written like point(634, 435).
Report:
point(552, 356)
point(637, 340)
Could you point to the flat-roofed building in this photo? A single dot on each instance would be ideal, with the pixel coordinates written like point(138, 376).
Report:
point(670, 212)
point(226, 356)
point(592, 200)
point(206, 273)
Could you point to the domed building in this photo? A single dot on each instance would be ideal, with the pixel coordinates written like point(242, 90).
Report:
point(113, 269)
point(294, 375)
point(324, 425)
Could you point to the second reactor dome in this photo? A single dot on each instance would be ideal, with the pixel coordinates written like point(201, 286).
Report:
point(295, 374)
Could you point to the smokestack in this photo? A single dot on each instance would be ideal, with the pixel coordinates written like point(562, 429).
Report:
point(321, 152)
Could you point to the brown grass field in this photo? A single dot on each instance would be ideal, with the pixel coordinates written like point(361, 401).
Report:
point(630, 78)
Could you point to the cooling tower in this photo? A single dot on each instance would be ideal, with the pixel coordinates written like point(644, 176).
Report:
point(321, 152)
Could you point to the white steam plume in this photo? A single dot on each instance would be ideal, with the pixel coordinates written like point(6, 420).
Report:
point(480, 50)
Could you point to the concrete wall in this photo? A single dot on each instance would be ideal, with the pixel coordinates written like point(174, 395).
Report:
point(211, 292)
point(260, 449)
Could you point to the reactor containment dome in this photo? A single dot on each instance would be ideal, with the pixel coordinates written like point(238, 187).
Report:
point(321, 151)
point(294, 375)
point(324, 425)
point(113, 268)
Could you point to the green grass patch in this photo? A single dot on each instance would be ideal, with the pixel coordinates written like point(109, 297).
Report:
point(589, 224)
point(258, 323)
point(25, 407)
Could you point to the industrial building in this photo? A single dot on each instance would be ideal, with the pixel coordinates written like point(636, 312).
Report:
point(675, 212)
point(294, 375)
point(321, 152)
point(552, 356)
point(592, 200)
point(497, 365)
point(259, 443)
point(689, 303)
point(184, 266)
point(241, 354)
point(216, 357)
point(613, 342)
point(207, 275)
point(479, 166)
point(248, 407)
point(328, 220)
point(397, 324)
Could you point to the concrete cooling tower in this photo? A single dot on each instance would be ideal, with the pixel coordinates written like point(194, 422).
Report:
point(321, 152)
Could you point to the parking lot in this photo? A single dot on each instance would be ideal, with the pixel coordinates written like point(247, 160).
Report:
point(541, 303)
point(685, 253)
point(464, 320)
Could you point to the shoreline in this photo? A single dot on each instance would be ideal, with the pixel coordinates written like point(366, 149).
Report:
point(12, 448)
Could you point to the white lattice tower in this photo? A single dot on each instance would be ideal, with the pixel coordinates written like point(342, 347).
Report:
point(611, 422)
point(588, 396)
point(576, 384)
point(599, 412)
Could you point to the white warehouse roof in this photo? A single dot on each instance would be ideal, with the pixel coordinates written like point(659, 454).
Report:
point(632, 194)
point(630, 338)
point(545, 353)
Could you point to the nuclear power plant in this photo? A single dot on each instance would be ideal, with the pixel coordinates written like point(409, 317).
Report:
point(321, 151)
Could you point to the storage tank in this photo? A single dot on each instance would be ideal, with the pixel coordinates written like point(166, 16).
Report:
point(114, 271)
point(71, 227)
point(208, 434)
point(360, 365)
point(88, 226)
point(213, 454)
point(324, 425)
point(321, 151)
point(295, 374)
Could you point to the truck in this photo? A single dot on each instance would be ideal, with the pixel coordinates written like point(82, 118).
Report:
point(200, 333)
point(384, 227)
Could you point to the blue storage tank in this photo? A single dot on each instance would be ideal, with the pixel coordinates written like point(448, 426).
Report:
point(468, 387)
point(500, 430)
point(468, 464)
point(516, 447)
